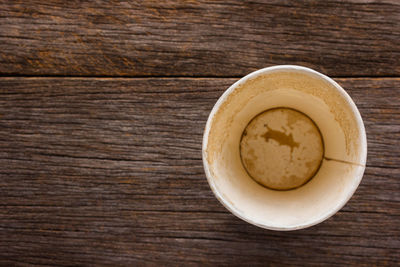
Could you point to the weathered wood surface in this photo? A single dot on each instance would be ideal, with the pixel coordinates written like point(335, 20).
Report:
point(198, 38)
point(109, 172)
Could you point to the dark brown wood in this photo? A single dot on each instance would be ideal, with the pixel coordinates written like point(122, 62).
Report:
point(198, 38)
point(109, 172)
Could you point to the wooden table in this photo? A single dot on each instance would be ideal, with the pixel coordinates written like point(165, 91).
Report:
point(102, 111)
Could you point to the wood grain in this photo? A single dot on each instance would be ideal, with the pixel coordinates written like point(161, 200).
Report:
point(109, 172)
point(198, 38)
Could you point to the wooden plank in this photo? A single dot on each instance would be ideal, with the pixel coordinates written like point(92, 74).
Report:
point(198, 38)
point(109, 172)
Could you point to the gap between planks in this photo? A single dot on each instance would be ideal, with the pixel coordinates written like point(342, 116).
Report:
point(172, 77)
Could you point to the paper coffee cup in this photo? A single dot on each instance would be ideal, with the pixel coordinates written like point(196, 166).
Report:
point(284, 148)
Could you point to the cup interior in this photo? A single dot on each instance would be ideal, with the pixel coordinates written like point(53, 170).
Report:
point(341, 128)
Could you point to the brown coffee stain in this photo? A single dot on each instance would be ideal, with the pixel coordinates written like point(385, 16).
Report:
point(343, 161)
point(282, 138)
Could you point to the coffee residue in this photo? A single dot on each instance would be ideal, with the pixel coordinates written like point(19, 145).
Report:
point(282, 138)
